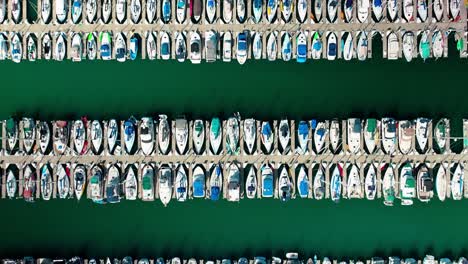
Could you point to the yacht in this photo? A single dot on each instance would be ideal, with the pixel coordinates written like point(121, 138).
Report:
point(28, 134)
point(440, 135)
point(165, 49)
point(181, 134)
point(232, 136)
point(195, 47)
point(96, 188)
point(362, 46)
point(113, 135)
point(181, 183)
point(233, 182)
point(287, 9)
point(130, 184)
point(335, 185)
point(241, 48)
point(354, 135)
point(181, 11)
point(150, 11)
point(389, 185)
point(63, 180)
point(198, 188)
point(272, 6)
point(284, 184)
point(77, 9)
point(371, 182)
point(388, 135)
point(79, 136)
point(454, 9)
point(16, 49)
point(198, 134)
point(362, 10)
point(29, 183)
point(164, 134)
point(46, 183)
point(216, 182)
point(407, 185)
point(147, 183)
point(347, 8)
point(393, 46)
point(441, 183)
point(286, 47)
point(151, 46)
point(457, 182)
point(79, 180)
point(112, 184)
point(405, 136)
point(320, 130)
point(147, 135)
point(317, 45)
point(257, 46)
point(210, 11)
point(267, 137)
point(216, 135)
point(347, 46)
point(106, 46)
point(422, 134)
point(77, 48)
point(335, 136)
point(181, 47)
point(121, 11)
point(4, 43)
point(250, 134)
point(135, 8)
point(303, 182)
point(354, 190)
point(317, 10)
point(319, 184)
point(408, 45)
point(61, 10)
point(251, 183)
point(301, 48)
point(332, 6)
point(165, 184)
point(96, 136)
point(284, 136)
point(272, 47)
point(303, 137)
point(61, 137)
point(424, 184)
point(91, 10)
point(267, 181)
point(130, 134)
point(44, 137)
point(227, 10)
point(91, 46)
point(120, 48)
point(371, 134)
point(331, 45)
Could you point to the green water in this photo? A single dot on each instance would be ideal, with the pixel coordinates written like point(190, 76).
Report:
point(263, 90)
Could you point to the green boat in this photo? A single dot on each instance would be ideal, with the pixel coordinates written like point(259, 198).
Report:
point(407, 185)
point(12, 134)
point(424, 46)
point(371, 135)
point(388, 186)
point(440, 135)
point(216, 135)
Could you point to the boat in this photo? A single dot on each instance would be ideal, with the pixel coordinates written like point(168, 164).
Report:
point(267, 181)
point(272, 6)
point(79, 180)
point(210, 11)
point(353, 136)
point(91, 46)
point(11, 183)
point(241, 10)
point(440, 135)
point(272, 47)
point(388, 135)
point(232, 136)
point(147, 135)
point(96, 136)
point(441, 183)
point(377, 10)
point(437, 44)
point(335, 136)
point(332, 6)
point(457, 182)
point(60, 48)
point(362, 46)
point(16, 49)
point(347, 46)
point(393, 46)
point(257, 46)
point(28, 134)
point(371, 134)
point(195, 47)
point(454, 9)
point(121, 11)
point(79, 136)
point(408, 10)
point(424, 46)
point(61, 10)
point(407, 185)
point(151, 46)
point(150, 11)
point(164, 134)
point(320, 131)
point(61, 137)
point(181, 48)
point(4, 43)
point(227, 10)
point(302, 10)
point(31, 49)
point(370, 183)
point(316, 46)
point(392, 10)
point(335, 185)
point(165, 184)
point(106, 46)
point(362, 10)
point(112, 135)
point(267, 137)
point(165, 49)
point(317, 10)
point(91, 10)
point(405, 136)
point(106, 10)
point(129, 134)
point(112, 184)
point(147, 183)
point(46, 183)
point(45, 11)
point(135, 9)
point(250, 134)
point(63, 181)
point(216, 135)
point(319, 184)
point(424, 184)
point(181, 184)
point(77, 48)
point(95, 184)
point(181, 134)
point(422, 134)
point(77, 9)
point(241, 51)
point(303, 137)
point(198, 188)
point(284, 136)
point(216, 182)
point(196, 7)
point(303, 182)
point(389, 186)
point(331, 46)
point(422, 10)
point(133, 47)
point(44, 137)
point(251, 183)
point(181, 11)
point(301, 48)
point(408, 45)
point(257, 10)
point(198, 136)
point(354, 190)
point(348, 10)
point(287, 9)
point(284, 184)
point(29, 183)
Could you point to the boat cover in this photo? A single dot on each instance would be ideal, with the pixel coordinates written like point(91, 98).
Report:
point(10, 124)
point(268, 187)
point(266, 129)
point(198, 188)
point(303, 128)
point(313, 123)
point(378, 3)
point(147, 183)
point(371, 125)
point(215, 126)
point(304, 187)
point(129, 130)
point(215, 193)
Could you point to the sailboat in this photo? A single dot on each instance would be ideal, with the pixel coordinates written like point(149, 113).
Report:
point(370, 183)
point(347, 46)
point(60, 48)
point(77, 9)
point(377, 10)
point(257, 46)
point(130, 184)
point(150, 11)
point(320, 136)
point(348, 10)
point(31, 48)
point(437, 44)
point(302, 10)
point(165, 184)
point(272, 6)
point(11, 183)
point(106, 10)
point(331, 46)
point(147, 183)
point(286, 47)
point(112, 135)
point(363, 10)
point(457, 182)
point(251, 183)
point(79, 180)
point(121, 11)
point(46, 11)
point(130, 134)
point(335, 185)
point(79, 136)
point(319, 184)
point(267, 137)
point(408, 10)
point(181, 183)
point(91, 46)
point(198, 134)
point(216, 182)
point(335, 136)
point(233, 181)
point(232, 136)
point(287, 9)
point(332, 6)
point(11, 135)
point(241, 11)
point(257, 10)
point(16, 49)
point(164, 134)
point(227, 10)
point(284, 136)
point(216, 135)
point(91, 10)
point(181, 11)
point(303, 137)
point(198, 188)
point(272, 47)
point(250, 134)
point(63, 180)
point(354, 190)
point(181, 47)
point(61, 137)
point(440, 135)
point(267, 181)
point(210, 11)
point(441, 183)
point(303, 182)
point(424, 46)
point(46, 183)
point(354, 135)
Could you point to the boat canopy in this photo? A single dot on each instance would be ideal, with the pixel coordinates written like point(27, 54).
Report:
point(268, 186)
point(198, 127)
point(215, 193)
point(357, 127)
point(94, 179)
point(304, 187)
point(441, 127)
point(302, 50)
point(371, 125)
point(303, 128)
point(266, 130)
point(11, 124)
point(313, 123)
point(129, 129)
point(377, 2)
point(317, 45)
point(215, 126)
point(147, 184)
point(198, 188)
point(181, 190)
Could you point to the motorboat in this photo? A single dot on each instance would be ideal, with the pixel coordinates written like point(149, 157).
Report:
point(181, 134)
point(354, 189)
point(405, 136)
point(335, 136)
point(408, 10)
point(422, 134)
point(316, 46)
point(113, 134)
point(362, 10)
point(151, 46)
point(272, 6)
point(407, 185)
point(91, 46)
point(440, 135)
point(422, 10)
point(195, 47)
point(362, 46)
point(392, 10)
point(317, 10)
point(287, 9)
point(198, 134)
point(164, 134)
point(63, 181)
point(251, 183)
point(437, 44)
point(257, 10)
point(60, 48)
point(331, 46)
point(284, 136)
point(227, 10)
point(165, 49)
point(46, 7)
point(121, 48)
point(370, 183)
point(284, 184)
point(335, 185)
point(303, 137)
point(232, 136)
point(267, 137)
point(319, 184)
point(388, 135)
point(61, 136)
point(106, 10)
point(181, 184)
point(96, 136)
point(150, 11)
point(303, 182)
point(77, 48)
point(106, 46)
point(210, 11)
point(424, 46)
point(61, 10)
point(96, 186)
point(267, 181)
point(11, 183)
point(133, 47)
point(301, 47)
point(216, 135)
point(348, 10)
point(79, 136)
point(29, 183)
point(457, 182)
point(31, 49)
point(77, 9)
point(216, 182)
point(181, 11)
point(320, 130)
point(46, 183)
point(377, 10)
point(79, 180)
point(129, 134)
point(454, 9)
point(348, 46)
point(4, 43)
point(91, 10)
point(181, 48)
point(135, 9)
point(196, 7)
point(389, 186)
point(393, 46)
point(165, 184)
point(147, 135)
point(28, 134)
point(272, 47)
point(112, 184)
point(147, 183)
point(354, 127)
point(257, 46)
point(121, 11)
point(332, 6)
point(241, 10)
point(302, 10)
point(408, 45)
point(12, 135)
point(424, 184)
point(43, 130)
point(198, 188)
point(441, 183)
point(16, 49)
point(250, 134)
point(241, 51)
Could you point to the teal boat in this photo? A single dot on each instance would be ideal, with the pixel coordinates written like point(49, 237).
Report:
point(440, 136)
point(12, 134)
point(424, 46)
point(216, 135)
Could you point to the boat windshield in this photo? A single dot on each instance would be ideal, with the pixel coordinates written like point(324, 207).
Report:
point(241, 44)
point(195, 47)
point(214, 193)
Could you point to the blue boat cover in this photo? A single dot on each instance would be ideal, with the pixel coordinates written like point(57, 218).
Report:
point(181, 190)
point(129, 129)
point(313, 123)
point(251, 188)
point(266, 130)
point(321, 132)
point(303, 128)
point(378, 3)
point(214, 193)
point(304, 187)
point(198, 188)
point(268, 187)
point(317, 45)
point(302, 50)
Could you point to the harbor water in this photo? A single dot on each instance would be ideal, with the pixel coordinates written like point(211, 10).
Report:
point(265, 90)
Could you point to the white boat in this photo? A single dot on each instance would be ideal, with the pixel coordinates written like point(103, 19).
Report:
point(257, 6)
point(284, 136)
point(286, 47)
point(408, 45)
point(389, 186)
point(348, 46)
point(377, 10)
point(210, 8)
point(457, 182)
point(362, 46)
point(371, 183)
point(181, 11)
point(302, 10)
point(91, 10)
point(181, 134)
point(28, 134)
point(45, 10)
point(46, 47)
point(284, 184)
point(79, 180)
point(437, 44)
point(29, 183)
point(63, 181)
point(405, 136)
point(335, 135)
point(250, 134)
point(150, 11)
point(407, 185)
point(347, 8)
point(61, 8)
point(181, 47)
point(241, 10)
point(267, 183)
point(227, 46)
point(301, 48)
point(441, 183)
point(354, 190)
point(16, 49)
point(392, 10)
point(287, 9)
point(147, 183)
point(3, 47)
point(227, 10)
point(424, 184)
point(335, 185)
point(441, 135)
point(257, 46)
point(106, 46)
point(61, 137)
point(454, 9)
point(371, 134)
point(317, 10)
point(320, 136)
point(438, 9)
point(319, 184)
point(79, 136)
point(388, 135)
point(422, 134)
point(129, 134)
point(12, 134)
point(121, 11)
point(60, 48)
point(216, 135)
point(272, 7)
point(332, 6)
point(393, 46)
point(408, 10)
point(316, 46)
point(164, 134)
point(165, 184)
point(106, 10)
point(44, 136)
point(303, 137)
point(46, 183)
point(198, 134)
point(354, 127)
point(232, 136)
point(198, 186)
point(77, 48)
point(96, 187)
point(181, 184)
point(195, 47)
point(303, 183)
point(165, 49)
point(251, 183)
point(151, 46)
point(91, 46)
point(241, 47)
point(11, 184)
point(362, 10)
point(272, 47)
point(331, 46)
point(77, 9)
point(112, 135)
point(31, 48)
point(130, 184)
point(267, 137)
point(147, 135)
point(216, 182)
point(422, 10)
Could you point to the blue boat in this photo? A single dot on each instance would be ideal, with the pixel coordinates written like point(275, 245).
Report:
point(216, 183)
point(303, 180)
point(133, 48)
point(335, 186)
point(303, 136)
point(129, 129)
point(301, 51)
point(166, 11)
point(267, 181)
point(198, 182)
point(267, 137)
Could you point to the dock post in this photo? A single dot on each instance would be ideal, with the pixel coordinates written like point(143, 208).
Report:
point(293, 180)
point(4, 179)
point(225, 181)
point(379, 178)
point(155, 179)
point(293, 136)
point(190, 138)
point(447, 142)
point(396, 168)
point(326, 167)
point(448, 178)
point(208, 181)
point(224, 137)
point(276, 179)
point(122, 138)
point(4, 135)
